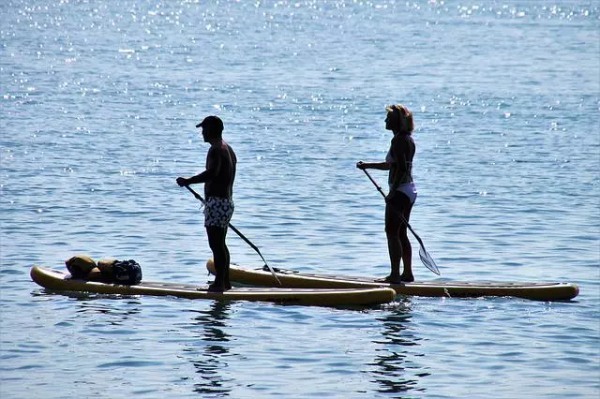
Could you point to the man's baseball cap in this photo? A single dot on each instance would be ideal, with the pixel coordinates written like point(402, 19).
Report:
point(212, 122)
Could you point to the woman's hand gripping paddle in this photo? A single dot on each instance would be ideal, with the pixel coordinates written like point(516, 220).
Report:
point(243, 237)
point(423, 254)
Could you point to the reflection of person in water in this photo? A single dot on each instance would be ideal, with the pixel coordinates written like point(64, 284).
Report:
point(212, 359)
point(394, 370)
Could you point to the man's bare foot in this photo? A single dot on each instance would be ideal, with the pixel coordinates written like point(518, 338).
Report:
point(409, 278)
point(218, 287)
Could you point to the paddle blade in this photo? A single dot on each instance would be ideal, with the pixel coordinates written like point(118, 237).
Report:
point(428, 261)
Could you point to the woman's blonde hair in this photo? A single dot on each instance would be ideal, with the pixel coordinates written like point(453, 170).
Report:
point(402, 118)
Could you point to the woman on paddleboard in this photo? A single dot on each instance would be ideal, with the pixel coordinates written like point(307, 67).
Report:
point(402, 190)
point(218, 181)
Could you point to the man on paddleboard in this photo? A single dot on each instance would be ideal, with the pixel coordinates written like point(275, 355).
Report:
point(218, 181)
point(402, 194)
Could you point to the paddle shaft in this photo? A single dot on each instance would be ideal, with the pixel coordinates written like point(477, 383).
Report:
point(398, 213)
point(239, 233)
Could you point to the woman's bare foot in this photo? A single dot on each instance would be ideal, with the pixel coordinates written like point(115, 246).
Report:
point(390, 279)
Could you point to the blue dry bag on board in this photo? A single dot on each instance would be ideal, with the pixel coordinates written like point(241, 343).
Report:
point(127, 272)
point(120, 271)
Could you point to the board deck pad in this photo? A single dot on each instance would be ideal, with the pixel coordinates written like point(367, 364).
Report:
point(62, 281)
point(293, 279)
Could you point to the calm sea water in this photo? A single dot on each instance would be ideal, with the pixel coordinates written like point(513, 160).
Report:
point(98, 107)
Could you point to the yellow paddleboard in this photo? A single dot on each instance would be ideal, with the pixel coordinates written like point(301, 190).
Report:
point(61, 281)
point(292, 279)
